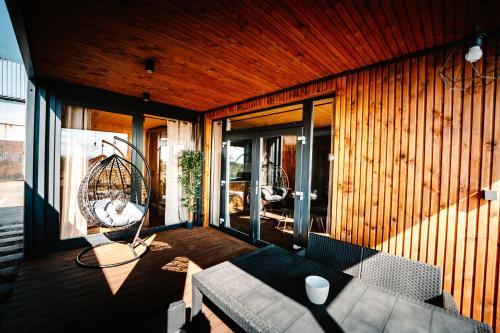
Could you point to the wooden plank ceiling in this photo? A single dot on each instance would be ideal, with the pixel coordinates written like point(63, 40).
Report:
point(213, 53)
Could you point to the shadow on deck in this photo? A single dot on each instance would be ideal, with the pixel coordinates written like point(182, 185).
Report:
point(54, 294)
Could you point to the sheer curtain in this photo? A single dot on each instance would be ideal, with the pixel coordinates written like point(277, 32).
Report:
point(73, 224)
point(179, 138)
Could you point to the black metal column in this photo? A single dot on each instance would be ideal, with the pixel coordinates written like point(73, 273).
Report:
point(308, 117)
point(35, 166)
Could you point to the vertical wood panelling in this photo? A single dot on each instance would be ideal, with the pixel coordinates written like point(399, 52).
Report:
point(374, 228)
point(341, 105)
point(383, 159)
point(403, 185)
point(389, 162)
point(351, 168)
point(464, 193)
point(427, 181)
point(492, 262)
point(412, 157)
point(396, 150)
point(371, 101)
point(485, 181)
point(207, 139)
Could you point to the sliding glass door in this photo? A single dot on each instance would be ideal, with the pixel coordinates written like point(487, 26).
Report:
point(239, 185)
point(279, 187)
point(260, 186)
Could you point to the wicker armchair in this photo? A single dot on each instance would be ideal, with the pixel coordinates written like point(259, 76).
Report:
point(407, 277)
point(404, 276)
point(341, 256)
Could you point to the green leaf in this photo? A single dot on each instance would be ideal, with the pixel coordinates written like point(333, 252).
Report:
point(190, 177)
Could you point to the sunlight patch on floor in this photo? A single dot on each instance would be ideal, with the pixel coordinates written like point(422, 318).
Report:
point(159, 246)
point(192, 269)
point(178, 264)
point(116, 276)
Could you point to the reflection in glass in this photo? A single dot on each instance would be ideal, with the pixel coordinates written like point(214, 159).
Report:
point(240, 174)
point(283, 115)
point(321, 165)
point(155, 134)
point(277, 179)
point(165, 139)
point(84, 133)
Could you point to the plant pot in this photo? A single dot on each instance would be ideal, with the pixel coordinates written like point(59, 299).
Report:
point(189, 222)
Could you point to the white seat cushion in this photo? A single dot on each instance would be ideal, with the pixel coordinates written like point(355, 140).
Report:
point(268, 194)
point(99, 210)
point(107, 214)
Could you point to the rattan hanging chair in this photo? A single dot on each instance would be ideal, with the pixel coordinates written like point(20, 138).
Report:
point(274, 183)
point(114, 194)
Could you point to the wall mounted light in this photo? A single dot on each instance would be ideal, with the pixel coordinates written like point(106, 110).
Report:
point(149, 66)
point(475, 52)
point(145, 96)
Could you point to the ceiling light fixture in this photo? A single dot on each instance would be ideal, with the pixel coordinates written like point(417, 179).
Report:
point(145, 96)
point(149, 66)
point(474, 53)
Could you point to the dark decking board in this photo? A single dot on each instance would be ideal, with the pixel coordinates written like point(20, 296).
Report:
point(264, 292)
point(54, 294)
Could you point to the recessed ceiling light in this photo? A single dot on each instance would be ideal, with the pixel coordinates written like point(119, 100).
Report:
point(149, 66)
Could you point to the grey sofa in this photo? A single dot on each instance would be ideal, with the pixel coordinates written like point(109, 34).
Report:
point(407, 277)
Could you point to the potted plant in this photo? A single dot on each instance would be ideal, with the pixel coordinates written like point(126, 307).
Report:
point(190, 179)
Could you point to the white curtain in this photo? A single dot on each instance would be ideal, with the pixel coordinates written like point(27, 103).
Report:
point(73, 224)
point(179, 138)
point(215, 173)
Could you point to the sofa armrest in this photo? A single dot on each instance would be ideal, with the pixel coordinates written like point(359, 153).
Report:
point(445, 301)
point(449, 302)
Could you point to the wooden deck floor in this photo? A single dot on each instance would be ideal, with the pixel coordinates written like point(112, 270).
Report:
point(54, 294)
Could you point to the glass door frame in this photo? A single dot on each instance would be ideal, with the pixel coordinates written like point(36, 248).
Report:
point(257, 135)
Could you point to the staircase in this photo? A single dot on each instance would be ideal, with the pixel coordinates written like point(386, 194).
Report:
point(11, 248)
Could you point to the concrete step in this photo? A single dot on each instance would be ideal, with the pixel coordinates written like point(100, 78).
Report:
point(10, 260)
point(11, 249)
point(11, 240)
point(5, 291)
point(9, 274)
point(11, 233)
point(13, 226)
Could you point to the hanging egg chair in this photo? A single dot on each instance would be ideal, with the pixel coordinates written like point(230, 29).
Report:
point(114, 194)
point(274, 183)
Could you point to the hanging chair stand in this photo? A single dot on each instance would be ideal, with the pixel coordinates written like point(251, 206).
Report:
point(90, 192)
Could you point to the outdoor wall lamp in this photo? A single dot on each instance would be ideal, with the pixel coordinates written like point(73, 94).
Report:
point(149, 66)
point(475, 52)
point(145, 96)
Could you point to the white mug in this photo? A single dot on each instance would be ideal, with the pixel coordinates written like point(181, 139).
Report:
point(317, 289)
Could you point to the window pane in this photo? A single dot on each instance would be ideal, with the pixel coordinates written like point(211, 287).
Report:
point(165, 139)
point(84, 133)
point(283, 115)
point(321, 165)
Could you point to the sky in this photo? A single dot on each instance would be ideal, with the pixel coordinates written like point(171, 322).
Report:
point(8, 43)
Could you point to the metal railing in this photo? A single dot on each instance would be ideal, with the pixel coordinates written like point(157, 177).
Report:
point(13, 81)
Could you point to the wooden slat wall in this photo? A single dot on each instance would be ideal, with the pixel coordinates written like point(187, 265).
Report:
point(412, 158)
